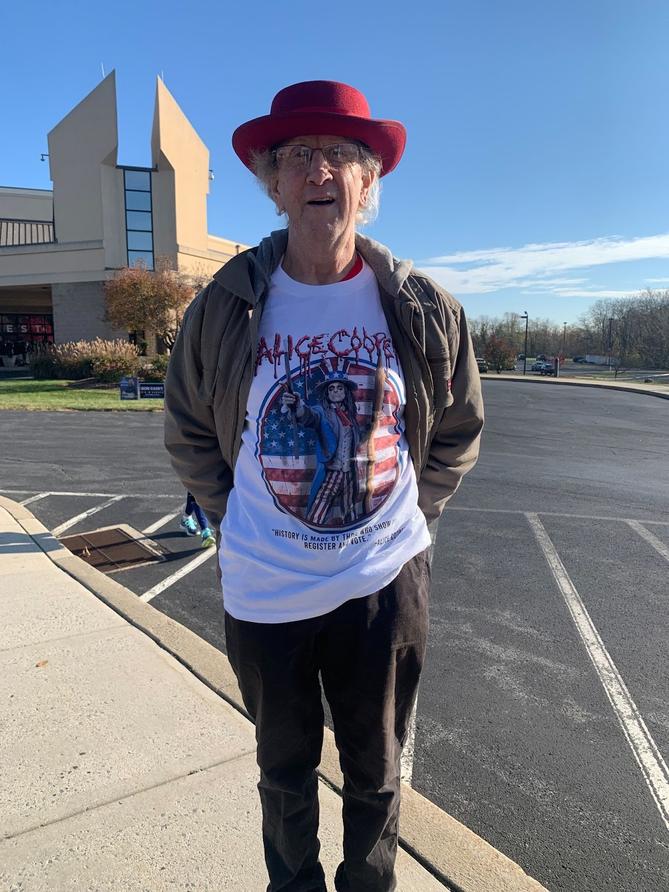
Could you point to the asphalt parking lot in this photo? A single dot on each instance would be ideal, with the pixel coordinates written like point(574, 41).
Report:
point(543, 716)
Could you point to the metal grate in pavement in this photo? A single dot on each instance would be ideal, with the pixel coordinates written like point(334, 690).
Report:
point(116, 548)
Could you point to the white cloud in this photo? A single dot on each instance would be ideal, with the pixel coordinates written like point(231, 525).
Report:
point(560, 281)
point(536, 265)
point(566, 292)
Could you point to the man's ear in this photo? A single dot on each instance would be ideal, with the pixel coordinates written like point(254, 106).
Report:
point(367, 181)
point(276, 197)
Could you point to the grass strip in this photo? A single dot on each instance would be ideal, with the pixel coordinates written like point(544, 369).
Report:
point(56, 396)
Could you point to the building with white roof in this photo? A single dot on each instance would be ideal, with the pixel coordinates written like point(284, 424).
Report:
point(57, 247)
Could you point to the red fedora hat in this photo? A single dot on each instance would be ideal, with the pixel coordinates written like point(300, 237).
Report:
point(315, 108)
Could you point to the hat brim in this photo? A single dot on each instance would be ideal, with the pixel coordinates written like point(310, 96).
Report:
point(386, 139)
point(325, 383)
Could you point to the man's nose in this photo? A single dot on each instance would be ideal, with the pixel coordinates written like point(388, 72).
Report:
point(319, 170)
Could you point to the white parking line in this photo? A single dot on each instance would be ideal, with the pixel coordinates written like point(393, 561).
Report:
point(40, 495)
point(643, 746)
point(657, 544)
point(175, 577)
point(160, 523)
point(84, 514)
point(100, 495)
point(406, 760)
point(617, 519)
point(408, 751)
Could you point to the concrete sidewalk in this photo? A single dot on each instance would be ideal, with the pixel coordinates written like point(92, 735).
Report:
point(654, 389)
point(126, 761)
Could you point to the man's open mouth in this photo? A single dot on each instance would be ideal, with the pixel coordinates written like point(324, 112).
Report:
point(321, 201)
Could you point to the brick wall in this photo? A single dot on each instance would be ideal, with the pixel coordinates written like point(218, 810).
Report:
point(78, 313)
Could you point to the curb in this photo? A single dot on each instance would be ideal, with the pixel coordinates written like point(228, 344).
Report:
point(453, 854)
point(605, 385)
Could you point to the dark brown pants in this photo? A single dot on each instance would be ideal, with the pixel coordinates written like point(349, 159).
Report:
point(369, 654)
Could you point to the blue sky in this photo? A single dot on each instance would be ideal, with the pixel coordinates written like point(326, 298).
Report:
point(536, 174)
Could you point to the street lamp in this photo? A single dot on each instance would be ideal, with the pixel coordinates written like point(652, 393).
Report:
point(564, 340)
point(527, 321)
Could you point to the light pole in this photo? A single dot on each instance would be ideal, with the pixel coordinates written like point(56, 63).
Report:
point(564, 340)
point(527, 320)
point(610, 340)
point(588, 346)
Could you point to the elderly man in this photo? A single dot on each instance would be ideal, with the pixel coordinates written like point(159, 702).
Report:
point(323, 494)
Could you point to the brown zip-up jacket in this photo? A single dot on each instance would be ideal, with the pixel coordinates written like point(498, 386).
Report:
point(212, 365)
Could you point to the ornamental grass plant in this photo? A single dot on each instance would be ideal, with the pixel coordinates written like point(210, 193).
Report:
point(107, 361)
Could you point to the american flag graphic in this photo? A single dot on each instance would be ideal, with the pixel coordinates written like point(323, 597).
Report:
point(289, 477)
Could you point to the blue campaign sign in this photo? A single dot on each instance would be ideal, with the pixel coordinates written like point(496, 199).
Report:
point(151, 391)
point(128, 388)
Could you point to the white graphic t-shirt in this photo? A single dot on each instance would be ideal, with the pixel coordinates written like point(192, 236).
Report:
point(324, 506)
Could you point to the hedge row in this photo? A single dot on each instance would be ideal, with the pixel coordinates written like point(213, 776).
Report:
point(104, 360)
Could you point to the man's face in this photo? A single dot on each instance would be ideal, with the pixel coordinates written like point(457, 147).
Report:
point(336, 393)
point(321, 201)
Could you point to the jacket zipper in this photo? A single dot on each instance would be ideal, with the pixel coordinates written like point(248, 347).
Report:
point(427, 379)
point(248, 360)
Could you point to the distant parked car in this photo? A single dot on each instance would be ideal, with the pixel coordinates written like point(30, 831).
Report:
point(541, 356)
point(544, 368)
point(580, 359)
point(520, 356)
point(482, 364)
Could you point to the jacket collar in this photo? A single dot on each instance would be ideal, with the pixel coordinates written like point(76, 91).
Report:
point(248, 274)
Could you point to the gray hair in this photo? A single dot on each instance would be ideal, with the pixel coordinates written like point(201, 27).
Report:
point(264, 167)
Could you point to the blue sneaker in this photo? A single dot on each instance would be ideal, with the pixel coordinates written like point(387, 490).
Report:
point(188, 524)
point(208, 538)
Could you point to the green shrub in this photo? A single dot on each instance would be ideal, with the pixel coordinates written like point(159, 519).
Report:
point(43, 365)
point(155, 369)
point(160, 363)
point(104, 360)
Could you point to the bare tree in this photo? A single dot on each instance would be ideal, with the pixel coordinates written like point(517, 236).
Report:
point(544, 336)
point(638, 327)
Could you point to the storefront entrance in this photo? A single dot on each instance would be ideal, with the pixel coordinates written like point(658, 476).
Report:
point(21, 334)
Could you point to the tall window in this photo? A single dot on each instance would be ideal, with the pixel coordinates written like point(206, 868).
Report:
point(138, 216)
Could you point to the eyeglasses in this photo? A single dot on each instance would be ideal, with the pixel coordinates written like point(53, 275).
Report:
point(297, 157)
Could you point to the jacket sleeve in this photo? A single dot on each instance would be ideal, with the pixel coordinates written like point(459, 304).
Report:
point(454, 446)
point(190, 429)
